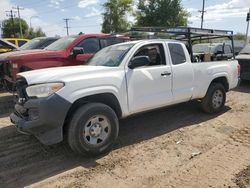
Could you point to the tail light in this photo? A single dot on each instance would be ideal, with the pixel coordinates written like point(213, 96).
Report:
point(238, 68)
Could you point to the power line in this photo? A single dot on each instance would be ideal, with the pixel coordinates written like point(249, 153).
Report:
point(67, 24)
point(11, 15)
point(202, 13)
point(20, 24)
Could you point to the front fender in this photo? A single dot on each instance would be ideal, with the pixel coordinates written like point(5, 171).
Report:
point(73, 96)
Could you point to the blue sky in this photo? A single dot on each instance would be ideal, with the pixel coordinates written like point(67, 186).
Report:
point(85, 15)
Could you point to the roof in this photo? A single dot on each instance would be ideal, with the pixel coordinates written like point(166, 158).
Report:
point(46, 38)
point(148, 40)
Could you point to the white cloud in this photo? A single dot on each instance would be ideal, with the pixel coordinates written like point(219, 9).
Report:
point(86, 3)
point(94, 12)
point(78, 18)
point(223, 11)
point(49, 28)
point(55, 3)
point(6, 5)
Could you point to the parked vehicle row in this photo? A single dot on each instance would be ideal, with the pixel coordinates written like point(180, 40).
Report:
point(16, 41)
point(38, 43)
point(6, 46)
point(67, 51)
point(83, 104)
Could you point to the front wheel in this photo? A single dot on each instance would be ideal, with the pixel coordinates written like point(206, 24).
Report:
point(215, 98)
point(93, 129)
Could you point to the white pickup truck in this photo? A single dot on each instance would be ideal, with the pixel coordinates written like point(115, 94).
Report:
point(83, 104)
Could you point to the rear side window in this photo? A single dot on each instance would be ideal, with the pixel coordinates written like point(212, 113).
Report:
point(46, 43)
point(12, 41)
point(90, 45)
point(227, 49)
point(219, 49)
point(21, 42)
point(110, 41)
point(177, 53)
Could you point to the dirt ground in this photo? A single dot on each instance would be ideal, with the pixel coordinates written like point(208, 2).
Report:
point(178, 146)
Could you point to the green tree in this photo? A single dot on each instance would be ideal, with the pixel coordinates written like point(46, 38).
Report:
point(11, 28)
point(31, 33)
point(239, 36)
point(162, 13)
point(115, 16)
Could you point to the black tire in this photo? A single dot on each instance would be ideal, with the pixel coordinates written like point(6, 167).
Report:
point(207, 102)
point(79, 123)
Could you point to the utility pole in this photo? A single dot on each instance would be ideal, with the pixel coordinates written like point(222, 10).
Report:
point(20, 24)
point(248, 19)
point(11, 15)
point(202, 13)
point(67, 25)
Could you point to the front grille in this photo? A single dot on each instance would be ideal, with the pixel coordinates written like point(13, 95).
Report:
point(1, 70)
point(21, 85)
point(6, 68)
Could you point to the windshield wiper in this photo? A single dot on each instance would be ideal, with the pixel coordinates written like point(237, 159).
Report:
point(245, 53)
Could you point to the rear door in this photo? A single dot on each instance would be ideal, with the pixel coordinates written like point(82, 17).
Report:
point(183, 75)
point(150, 86)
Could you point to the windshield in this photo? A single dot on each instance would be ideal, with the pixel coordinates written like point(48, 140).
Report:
point(61, 43)
point(31, 44)
point(111, 56)
point(246, 49)
point(203, 48)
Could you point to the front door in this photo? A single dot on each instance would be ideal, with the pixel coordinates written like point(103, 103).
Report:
point(150, 86)
point(90, 47)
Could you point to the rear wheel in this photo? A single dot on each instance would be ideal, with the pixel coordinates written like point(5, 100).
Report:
point(215, 98)
point(93, 129)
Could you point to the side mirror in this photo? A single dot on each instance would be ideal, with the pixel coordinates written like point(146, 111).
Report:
point(139, 61)
point(77, 50)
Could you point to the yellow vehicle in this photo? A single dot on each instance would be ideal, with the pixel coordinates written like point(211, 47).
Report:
point(6, 46)
point(16, 41)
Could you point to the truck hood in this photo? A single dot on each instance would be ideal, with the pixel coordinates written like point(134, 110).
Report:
point(62, 74)
point(23, 54)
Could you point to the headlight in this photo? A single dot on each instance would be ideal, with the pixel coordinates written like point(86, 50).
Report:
point(43, 90)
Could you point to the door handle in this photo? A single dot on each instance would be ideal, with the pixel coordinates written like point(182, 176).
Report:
point(166, 73)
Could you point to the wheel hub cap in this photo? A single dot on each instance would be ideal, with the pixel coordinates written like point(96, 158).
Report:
point(217, 99)
point(96, 130)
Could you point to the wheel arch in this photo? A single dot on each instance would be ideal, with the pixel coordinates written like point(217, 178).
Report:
point(106, 98)
point(222, 80)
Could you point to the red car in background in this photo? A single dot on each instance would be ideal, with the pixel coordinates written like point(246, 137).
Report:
point(67, 51)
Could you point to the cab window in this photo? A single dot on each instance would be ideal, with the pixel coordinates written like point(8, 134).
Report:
point(3, 45)
point(12, 41)
point(110, 41)
point(177, 53)
point(90, 45)
point(227, 49)
point(21, 42)
point(155, 52)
